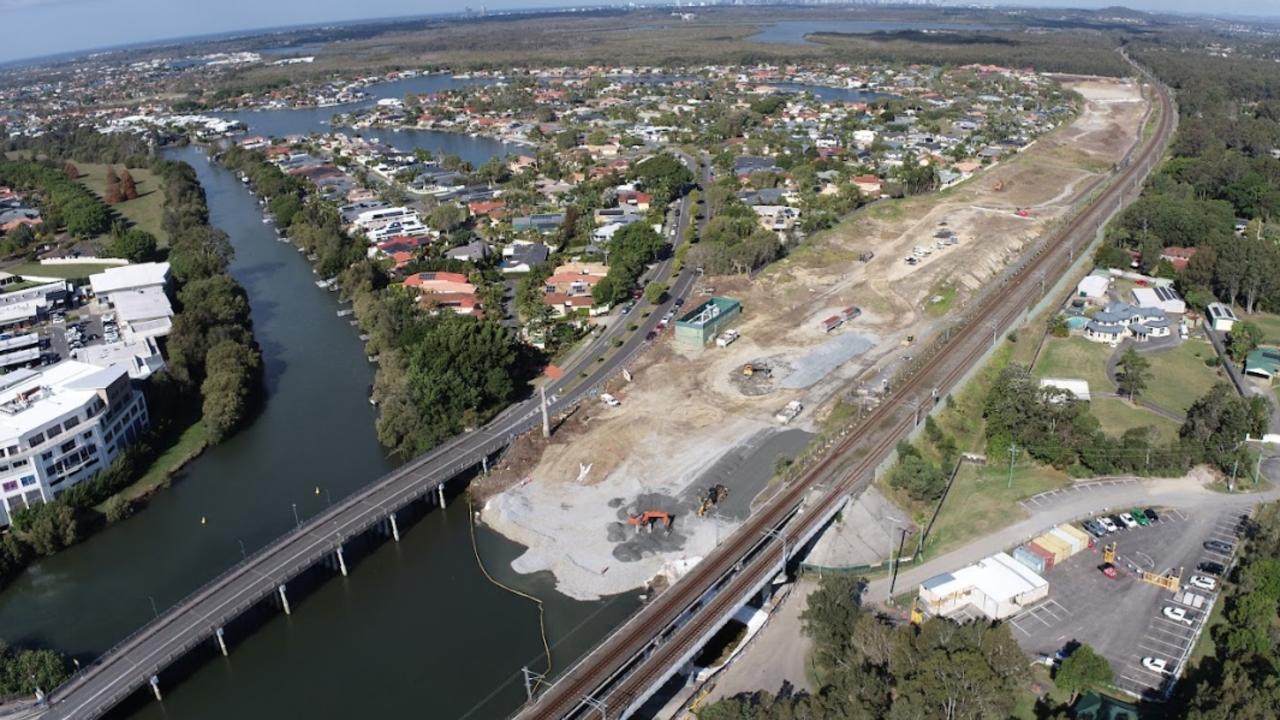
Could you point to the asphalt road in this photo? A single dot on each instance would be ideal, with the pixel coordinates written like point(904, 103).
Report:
point(123, 669)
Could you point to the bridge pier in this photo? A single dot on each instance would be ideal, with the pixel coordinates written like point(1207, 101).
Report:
point(155, 687)
point(342, 562)
point(222, 641)
point(484, 464)
point(284, 600)
point(440, 493)
point(395, 529)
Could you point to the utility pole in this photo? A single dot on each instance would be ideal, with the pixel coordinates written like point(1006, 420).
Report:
point(546, 422)
point(1013, 454)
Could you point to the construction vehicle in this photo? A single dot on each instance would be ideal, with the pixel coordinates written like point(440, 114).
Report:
point(917, 615)
point(649, 518)
point(713, 496)
point(752, 368)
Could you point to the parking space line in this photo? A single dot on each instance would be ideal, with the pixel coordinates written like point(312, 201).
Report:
point(1149, 643)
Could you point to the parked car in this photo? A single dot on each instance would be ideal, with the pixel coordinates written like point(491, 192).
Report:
point(1151, 514)
point(1156, 665)
point(679, 302)
point(1202, 582)
point(1108, 524)
point(1127, 520)
point(1109, 570)
point(1219, 547)
point(610, 400)
point(1212, 568)
point(1139, 516)
point(1177, 614)
point(1093, 528)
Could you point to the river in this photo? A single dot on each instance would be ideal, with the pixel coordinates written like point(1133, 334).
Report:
point(416, 623)
point(793, 32)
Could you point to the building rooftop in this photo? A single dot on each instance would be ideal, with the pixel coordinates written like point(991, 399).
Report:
point(707, 311)
point(129, 277)
point(31, 399)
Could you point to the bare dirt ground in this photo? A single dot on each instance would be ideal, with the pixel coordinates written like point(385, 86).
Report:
point(688, 407)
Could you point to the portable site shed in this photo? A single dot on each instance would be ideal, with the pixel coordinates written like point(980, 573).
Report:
point(1030, 558)
point(997, 586)
point(1077, 533)
point(1046, 556)
point(1060, 548)
point(1074, 544)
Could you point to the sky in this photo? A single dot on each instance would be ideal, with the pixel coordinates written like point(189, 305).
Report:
point(35, 28)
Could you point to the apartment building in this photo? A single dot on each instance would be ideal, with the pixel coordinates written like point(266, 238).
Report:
point(61, 425)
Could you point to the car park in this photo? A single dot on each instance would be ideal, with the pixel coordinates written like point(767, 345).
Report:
point(1202, 582)
point(1156, 665)
point(1177, 614)
point(1219, 546)
point(1127, 520)
point(1212, 568)
point(1139, 516)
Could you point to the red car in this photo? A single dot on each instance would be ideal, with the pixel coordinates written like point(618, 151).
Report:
point(1109, 570)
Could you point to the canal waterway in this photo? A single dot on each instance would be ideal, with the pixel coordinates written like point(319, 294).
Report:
point(793, 32)
point(304, 121)
point(416, 630)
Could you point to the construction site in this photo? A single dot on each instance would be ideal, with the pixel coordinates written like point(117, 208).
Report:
point(829, 324)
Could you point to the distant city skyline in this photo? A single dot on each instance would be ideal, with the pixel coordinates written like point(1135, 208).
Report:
point(40, 28)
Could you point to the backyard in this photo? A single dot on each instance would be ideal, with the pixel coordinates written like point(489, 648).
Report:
point(1180, 376)
point(1116, 416)
point(1078, 359)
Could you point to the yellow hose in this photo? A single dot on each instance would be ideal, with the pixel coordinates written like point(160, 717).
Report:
point(542, 624)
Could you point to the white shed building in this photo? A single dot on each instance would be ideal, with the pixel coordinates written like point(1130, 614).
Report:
point(997, 586)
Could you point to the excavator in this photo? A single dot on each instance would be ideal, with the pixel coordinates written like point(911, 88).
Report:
point(752, 368)
point(649, 518)
point(713, 496)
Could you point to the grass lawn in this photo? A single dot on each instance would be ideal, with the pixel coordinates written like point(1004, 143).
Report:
point(1179, 376)
point(70, 272)
point(188, 445)
point(1117, 415)
point(984, 500)
point(940, 300)
point(1269, 323)
point(1076, 358)
point(146, 211)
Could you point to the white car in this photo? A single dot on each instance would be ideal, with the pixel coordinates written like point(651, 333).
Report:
point(1177, 614)
point(1204, 583)
point(1108, 524)
point(610, 400)
point(1156, 665)
point(1128, 520)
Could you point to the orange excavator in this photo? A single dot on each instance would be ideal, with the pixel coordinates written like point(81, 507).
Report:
point(649, 518)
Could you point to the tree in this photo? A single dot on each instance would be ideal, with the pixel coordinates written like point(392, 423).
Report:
point(135, 245)
point(1084, 669)
point(654, 292)
point(128, 188)
point(1243, 339)
point(22, 671)
point(446, 216)
point(112, 193)
point(1133, 373)
point(228, 388)
point(48, 528)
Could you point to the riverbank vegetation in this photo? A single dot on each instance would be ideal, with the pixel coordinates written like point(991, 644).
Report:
point(439, 373)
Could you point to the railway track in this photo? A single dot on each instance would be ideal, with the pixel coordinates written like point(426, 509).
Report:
point(620, 672)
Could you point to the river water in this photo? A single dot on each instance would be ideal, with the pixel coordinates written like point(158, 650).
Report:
point(416, 625)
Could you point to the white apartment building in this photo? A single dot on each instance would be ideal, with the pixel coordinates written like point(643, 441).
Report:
point(61, 425)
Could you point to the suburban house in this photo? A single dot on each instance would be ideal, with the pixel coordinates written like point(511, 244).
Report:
point(445, 289)
point(747, 165)
point(776, 218)
point(868, 185)
point(471, 252)
point(1178, 257)
point(1119, 321)
point(569, 288)
point(543, 222)
point(522, 257)
point(1263, 362)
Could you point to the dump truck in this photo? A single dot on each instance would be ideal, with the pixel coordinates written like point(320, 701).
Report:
point(789, 412)
point(726, 338)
